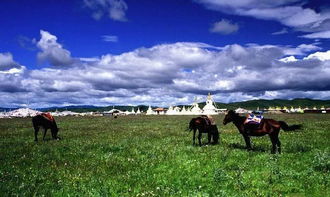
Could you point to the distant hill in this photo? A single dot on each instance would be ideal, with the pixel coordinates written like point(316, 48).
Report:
point(252, 104)
point(91, 108)
point(7, 109)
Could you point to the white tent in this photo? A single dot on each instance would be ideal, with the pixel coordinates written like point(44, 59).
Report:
point(55, 113)
point(68, 113)
point(209, 108)
point(23, 112)
point(184, 111)
point(4, 115)
point(150, 111)
point(114, 111)
point(133, 112)
point(195, 110)
point(173, 111)
point(242, 111)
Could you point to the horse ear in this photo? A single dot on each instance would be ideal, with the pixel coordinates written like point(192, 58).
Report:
point(231, 112)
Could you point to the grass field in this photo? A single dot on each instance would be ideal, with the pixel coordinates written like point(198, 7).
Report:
point(154, 156)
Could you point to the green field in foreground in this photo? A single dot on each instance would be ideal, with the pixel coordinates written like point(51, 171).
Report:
point(154, 156)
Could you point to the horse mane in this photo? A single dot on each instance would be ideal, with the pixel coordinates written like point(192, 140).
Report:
point(236, 116)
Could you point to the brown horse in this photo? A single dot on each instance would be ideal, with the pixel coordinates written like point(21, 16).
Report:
point(46, 121)
point(203, 125)
point(267, 126)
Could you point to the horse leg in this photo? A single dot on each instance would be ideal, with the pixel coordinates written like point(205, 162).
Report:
point(45, 131)
point(274, 143)
point(215, 135)
point(36, 130)
point(278, 142)
point(247, 142)
point(209, 135)
point(199, 137)
point(194, 136)
point(278, 145)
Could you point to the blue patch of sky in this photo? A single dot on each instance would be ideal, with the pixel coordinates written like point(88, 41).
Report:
point(149, 23)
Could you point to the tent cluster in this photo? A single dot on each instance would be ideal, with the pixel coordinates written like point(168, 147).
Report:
point(21, 113)
point(209, 109)
point(26, 112)
point(194, 109)
point(298, 109)
point(117, 112)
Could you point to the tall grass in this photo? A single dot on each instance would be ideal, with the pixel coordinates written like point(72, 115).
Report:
point(154, 156)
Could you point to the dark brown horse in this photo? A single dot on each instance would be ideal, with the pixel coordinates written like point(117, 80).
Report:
point(203, 125)
point(267, 126)
point(46, 121)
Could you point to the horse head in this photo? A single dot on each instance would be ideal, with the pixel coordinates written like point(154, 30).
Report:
point(229, 117)
point(54, 130)
point(192, 124)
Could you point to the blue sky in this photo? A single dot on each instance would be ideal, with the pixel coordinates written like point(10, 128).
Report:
point(163, 52)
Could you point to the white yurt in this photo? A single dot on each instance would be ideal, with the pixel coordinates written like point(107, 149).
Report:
point(150, 111)
point(138, 111)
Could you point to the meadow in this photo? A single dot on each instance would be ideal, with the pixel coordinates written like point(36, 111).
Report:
point(154, 156)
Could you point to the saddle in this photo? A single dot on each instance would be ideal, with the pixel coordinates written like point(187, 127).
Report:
point(208, 121)
point(253, 119)
point(48, 116)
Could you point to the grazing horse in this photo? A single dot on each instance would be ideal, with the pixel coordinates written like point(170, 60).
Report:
point(46, 121)
point(267, 126)
point(203, 125)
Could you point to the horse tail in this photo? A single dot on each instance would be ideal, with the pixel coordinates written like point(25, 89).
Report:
point(286, 127)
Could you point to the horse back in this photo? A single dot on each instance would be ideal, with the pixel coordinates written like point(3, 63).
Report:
point(40, 120)
point(273, 123)
point(265, 127)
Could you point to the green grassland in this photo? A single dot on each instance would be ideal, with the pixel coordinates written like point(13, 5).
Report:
point(154, 156)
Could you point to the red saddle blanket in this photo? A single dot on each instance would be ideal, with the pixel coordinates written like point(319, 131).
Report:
point(48, 116)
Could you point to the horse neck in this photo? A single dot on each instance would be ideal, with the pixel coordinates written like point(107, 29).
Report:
point(54, 125)
point(239, 121)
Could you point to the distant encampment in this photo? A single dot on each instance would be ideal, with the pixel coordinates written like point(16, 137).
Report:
point(209, 107)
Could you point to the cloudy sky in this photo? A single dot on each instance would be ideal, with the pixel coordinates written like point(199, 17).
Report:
point(164, 52)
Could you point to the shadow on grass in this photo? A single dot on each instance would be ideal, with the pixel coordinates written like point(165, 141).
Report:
point(243, 147)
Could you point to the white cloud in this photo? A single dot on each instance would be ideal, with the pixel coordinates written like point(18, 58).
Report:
point(171, 74)
point(290, 13)
point(109, 38)
point(224, 27)
point(7, 62)
point(323, 34)
point(288, 59)
point(51, 51)
point(283, 31)
point(114, 9)
point(224, 85)
point(323, 56)
point(14, 71)
point(117, 10)
point(302, 49)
